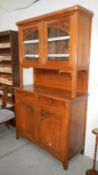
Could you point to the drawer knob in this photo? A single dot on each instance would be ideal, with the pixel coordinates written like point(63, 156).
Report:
point(50, 101)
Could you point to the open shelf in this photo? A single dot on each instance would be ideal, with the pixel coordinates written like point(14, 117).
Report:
point(5, 51)
point(5, 45)
point(5, 79)
point(6, 69)
point(5, 58)
point(5, 63)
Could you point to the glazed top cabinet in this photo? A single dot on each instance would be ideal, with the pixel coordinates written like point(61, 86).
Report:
point(57, 47)
point(59, 41)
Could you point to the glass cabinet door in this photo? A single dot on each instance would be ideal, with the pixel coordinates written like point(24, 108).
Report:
point(58, 40)
point(31, 44)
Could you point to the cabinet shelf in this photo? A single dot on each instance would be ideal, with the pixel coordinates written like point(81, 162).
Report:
point(5, 45)
point(58, 55)
point(5, 58)
point(8, 62)
point(49, 39)
point(49, 55)
point(6, 80)
point(5, 51)
point(59, 38)
point(31, 41)
point(5, 73)
point(5, 54)
point(6, 69)
point(31, 55)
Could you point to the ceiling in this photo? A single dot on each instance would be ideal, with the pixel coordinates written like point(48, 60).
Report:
point(10, 5)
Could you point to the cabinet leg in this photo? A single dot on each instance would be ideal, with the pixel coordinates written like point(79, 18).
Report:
point(65, 165)
point(17, 136)
point(82, 151)
point(7, 124)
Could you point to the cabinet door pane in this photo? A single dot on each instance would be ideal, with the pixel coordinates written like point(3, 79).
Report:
point(59, 40)
point(31, 43)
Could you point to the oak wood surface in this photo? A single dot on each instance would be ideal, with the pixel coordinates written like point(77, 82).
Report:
point(51, 112)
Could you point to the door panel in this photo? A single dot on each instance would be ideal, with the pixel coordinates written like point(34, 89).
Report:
point(58, 41)
point(25, 117)
point(30, 44)
point(51, 129)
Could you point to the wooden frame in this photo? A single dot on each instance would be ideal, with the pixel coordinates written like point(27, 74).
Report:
point(57, 99)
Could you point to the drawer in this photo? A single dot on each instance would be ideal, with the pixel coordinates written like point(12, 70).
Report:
point(47, 112)
point(24, 94)
point(58, 104)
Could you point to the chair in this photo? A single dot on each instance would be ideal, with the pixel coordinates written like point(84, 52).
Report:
point(6, 115)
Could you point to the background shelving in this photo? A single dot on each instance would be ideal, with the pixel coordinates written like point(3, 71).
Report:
point(9, 63)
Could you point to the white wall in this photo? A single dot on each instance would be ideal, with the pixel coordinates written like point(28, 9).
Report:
point(8, 21)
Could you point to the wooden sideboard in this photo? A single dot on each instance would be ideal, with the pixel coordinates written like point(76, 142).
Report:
point(51, 112)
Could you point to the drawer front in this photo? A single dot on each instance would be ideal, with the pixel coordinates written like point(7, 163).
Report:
point(51, 102)
point(51, 110)
point(47, 112)
point(24, 94)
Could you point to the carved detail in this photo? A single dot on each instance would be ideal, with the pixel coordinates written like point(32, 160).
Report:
point(30, 108)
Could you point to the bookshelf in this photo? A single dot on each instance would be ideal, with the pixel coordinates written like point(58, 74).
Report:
point(9, 63)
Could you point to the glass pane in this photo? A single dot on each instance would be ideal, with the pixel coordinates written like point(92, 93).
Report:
point(58, 41)
point(31, 44)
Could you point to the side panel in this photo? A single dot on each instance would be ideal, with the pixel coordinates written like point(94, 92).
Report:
point(77, 125)
point(83, 38)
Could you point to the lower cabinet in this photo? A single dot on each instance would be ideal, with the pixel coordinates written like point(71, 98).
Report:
point(52, 130)
point(59, 129)
point(25, 120)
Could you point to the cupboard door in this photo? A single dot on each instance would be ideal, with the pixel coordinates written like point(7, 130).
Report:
point(58, 41)
point(52, 130)
point(30, 37)
point(25, 122)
